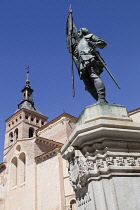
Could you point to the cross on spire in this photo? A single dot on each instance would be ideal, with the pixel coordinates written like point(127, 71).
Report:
point(27, 77)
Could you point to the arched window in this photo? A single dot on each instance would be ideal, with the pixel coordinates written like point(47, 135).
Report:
point(21, 168)
point(13, 172)
point(73, 204)
point(18, 148)
point(11, 137)
point(16, 133)
point(31, 132)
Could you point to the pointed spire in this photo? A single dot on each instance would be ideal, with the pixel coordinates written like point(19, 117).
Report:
point(27, 98)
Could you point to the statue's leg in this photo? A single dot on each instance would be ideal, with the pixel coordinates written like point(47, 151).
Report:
point(99, 85)
point(89, 86)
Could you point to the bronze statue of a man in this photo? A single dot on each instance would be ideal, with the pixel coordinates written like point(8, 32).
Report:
point(82, 47)
point(88, 64)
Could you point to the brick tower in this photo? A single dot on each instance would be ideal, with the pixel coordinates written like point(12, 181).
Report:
point(26, 120)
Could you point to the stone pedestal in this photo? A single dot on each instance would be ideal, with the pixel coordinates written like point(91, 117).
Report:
point(103, 159)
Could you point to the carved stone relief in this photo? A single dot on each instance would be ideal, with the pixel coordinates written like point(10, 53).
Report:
point(100, 163)
point(109, 161)
point(81, 168)
point(131, 161)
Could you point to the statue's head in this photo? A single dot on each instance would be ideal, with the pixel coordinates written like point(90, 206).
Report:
point(83, 32)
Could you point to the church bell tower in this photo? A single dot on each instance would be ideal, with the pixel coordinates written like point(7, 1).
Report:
point(26, 120)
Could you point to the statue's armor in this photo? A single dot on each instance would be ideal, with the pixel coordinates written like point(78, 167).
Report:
point(83, 48)
point(89, 67)
point(85, 52)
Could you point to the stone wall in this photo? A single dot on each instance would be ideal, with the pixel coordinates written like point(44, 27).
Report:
point(50, 189)
point(21, 192)
point(3, 180)
point(58, 130)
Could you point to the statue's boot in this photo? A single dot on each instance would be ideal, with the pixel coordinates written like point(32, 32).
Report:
point(99, 85)
point(89, 86)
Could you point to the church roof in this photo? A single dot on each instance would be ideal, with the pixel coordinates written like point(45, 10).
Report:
point(56, 119)
point(49, 141)
point(53, 147)
point(47, 155)
point(27, 105)
point(134, 111)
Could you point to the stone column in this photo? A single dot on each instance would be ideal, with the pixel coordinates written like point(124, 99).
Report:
point(103, 159)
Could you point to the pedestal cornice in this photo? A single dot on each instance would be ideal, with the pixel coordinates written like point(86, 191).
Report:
point(105, 143)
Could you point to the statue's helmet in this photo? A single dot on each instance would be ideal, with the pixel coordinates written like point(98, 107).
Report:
point(84, 31)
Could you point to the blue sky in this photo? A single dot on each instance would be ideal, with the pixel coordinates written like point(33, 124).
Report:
point(32, 32)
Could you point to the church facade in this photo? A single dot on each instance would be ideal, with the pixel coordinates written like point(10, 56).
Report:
point(33, 175)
